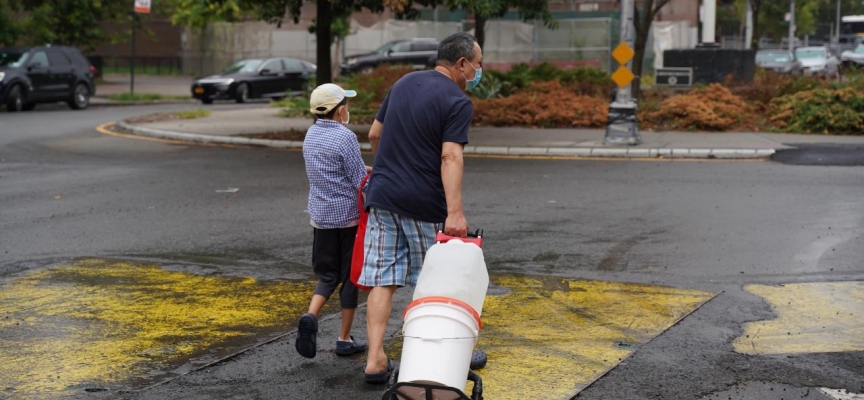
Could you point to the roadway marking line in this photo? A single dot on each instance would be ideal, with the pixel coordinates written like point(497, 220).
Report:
point(549, 338)
point(103, 129)
point(817, 317)
point(109, 324)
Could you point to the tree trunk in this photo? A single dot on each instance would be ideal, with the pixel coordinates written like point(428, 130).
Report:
point(642, 25)
point(755, 43)
point(323, 35)
point(479, 29)
point(639, 58)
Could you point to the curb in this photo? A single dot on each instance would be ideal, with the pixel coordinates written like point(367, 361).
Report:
point(564, 152)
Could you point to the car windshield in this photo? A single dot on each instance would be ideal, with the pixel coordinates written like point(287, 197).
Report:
point(387, 46)
point(813, 53)
point(243, 66)
point(773, 57)
point(859, 49)
point(12, 59)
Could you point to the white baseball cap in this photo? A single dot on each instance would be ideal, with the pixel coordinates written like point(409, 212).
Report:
point(327, 96)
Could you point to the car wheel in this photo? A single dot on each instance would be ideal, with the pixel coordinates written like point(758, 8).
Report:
point(278, 98)
point(80, 97)
point(15, 99)
point(28, 106)
point(207, 101)
point(241, 94)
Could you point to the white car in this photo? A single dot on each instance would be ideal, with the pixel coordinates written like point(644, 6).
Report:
point(818, 61)
point(853, 57)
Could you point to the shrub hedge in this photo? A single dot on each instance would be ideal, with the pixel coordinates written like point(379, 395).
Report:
point(548, 96)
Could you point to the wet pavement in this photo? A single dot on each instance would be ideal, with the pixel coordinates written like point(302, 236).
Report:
point(115, 325)
point(97, 325)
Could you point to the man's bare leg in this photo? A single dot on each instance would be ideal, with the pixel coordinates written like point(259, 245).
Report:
point(378, 308)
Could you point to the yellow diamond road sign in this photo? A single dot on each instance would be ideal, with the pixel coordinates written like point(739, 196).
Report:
point(623, 53)
point(622, 76)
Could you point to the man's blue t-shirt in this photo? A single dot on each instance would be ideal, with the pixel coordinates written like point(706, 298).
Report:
point(422, 111)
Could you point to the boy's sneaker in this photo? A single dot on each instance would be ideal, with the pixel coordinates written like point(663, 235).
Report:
point(347, 348)
point(307, 331)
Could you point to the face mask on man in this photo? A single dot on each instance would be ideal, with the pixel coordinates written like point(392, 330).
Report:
point(471, 84)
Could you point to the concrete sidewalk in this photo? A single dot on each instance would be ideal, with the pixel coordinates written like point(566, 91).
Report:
point(226, 126)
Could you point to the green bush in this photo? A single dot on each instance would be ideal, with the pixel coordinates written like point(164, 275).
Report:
point(584, 80)
point(823, 110)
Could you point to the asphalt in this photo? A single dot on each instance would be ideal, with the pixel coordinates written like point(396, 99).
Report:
point(232, 126)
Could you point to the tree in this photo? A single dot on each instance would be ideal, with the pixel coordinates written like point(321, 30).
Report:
point(484, 10)
point(197, 13)
point(642, 21)
point(72, 22)
point(10, 27)
point(274, 12)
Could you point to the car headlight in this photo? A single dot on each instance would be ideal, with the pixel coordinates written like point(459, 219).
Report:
point(817, 67)
point(351, 61)
point(220, 82)
point(2, 75)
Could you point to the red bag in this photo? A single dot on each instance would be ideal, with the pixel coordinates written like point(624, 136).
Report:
point(357, 257)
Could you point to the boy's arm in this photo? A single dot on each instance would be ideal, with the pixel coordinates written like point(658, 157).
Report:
point(354, 166)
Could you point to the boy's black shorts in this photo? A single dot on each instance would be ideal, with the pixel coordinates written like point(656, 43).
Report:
point(331, 262)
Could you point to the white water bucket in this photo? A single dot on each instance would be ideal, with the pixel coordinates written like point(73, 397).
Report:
point(439, 339)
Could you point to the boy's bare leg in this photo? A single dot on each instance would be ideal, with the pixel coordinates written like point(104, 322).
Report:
point(347, 322)
point(316, 304)
point(378, 308)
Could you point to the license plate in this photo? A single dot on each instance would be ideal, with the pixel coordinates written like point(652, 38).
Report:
point(199, 90)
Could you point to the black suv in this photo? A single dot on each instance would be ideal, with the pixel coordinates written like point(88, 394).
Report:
point(419, 53)
point(45, 74)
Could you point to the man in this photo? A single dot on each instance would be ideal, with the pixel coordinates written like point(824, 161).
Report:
point(416, 183)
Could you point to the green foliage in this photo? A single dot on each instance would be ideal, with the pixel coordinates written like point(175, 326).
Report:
point(583, 80)
point(10, 26)
point(197, 13)
point(823, 110)
point(528, 10)
point(294, 107)
point(71, 22)
point(491, 86)
point(144, 97)
point(193, 114)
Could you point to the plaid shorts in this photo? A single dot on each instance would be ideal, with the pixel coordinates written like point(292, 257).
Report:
point(394, 249)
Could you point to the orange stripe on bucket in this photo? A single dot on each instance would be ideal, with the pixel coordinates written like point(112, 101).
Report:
point(448, 300)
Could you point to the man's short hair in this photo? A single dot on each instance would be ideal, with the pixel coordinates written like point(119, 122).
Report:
point(332, 113)
point(456, 46)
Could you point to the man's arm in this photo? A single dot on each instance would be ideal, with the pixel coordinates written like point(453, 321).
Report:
point(452, 167)
point(375, 136)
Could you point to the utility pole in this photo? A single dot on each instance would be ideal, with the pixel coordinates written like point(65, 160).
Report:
point(748, 36)
point(792, 25)
point(838, 24)
point(622, 127)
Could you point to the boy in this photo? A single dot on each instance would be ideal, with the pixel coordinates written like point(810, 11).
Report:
point(335, 168)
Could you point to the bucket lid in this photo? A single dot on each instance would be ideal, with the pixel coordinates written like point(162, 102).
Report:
point(446, 300)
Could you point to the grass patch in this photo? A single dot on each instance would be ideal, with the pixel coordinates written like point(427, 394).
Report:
point(145, 97)
point(192, 114)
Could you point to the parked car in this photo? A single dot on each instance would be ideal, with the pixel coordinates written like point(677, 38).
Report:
point(780, 61)
point(419, 53)
point(45, 74)
point(853, 57)
point(253, 78)
point(817, 60)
